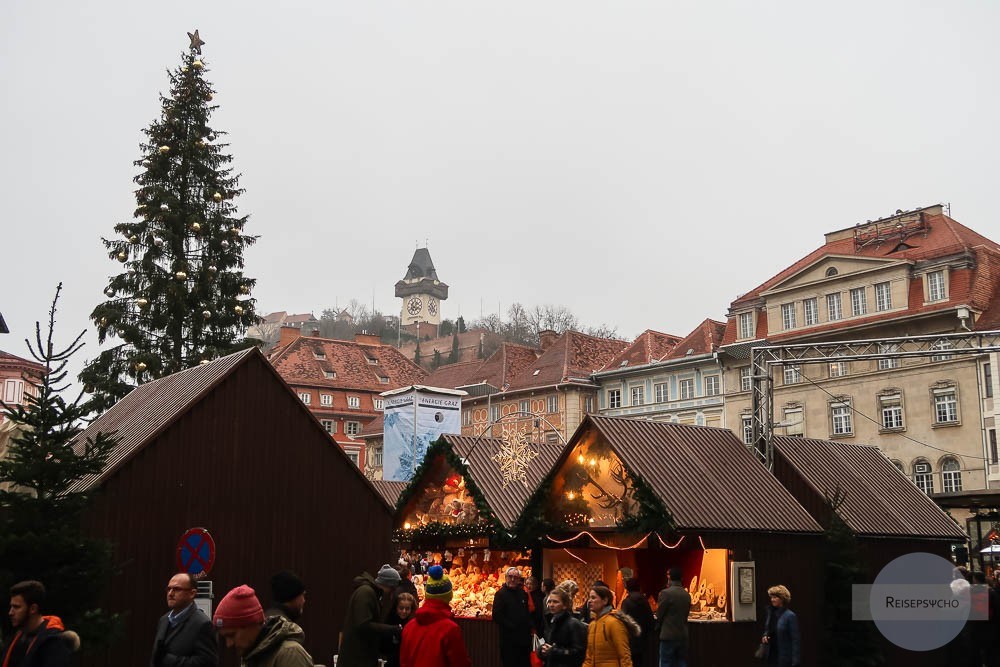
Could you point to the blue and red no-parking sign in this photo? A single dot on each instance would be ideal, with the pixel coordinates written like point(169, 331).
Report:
point(196, 551)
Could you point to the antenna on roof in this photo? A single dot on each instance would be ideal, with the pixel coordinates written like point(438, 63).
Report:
point(947, 208)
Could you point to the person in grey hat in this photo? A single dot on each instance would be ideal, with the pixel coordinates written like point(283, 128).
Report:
point(364, 626)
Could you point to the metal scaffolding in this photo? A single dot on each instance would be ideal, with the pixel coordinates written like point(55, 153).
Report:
point(764, 358)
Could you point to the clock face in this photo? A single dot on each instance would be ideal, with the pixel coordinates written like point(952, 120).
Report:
point(432, 306)
point(413, 305)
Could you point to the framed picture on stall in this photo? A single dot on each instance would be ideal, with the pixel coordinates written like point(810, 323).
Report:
point(746, 585)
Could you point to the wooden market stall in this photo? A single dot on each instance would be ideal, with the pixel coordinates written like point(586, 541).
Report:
point(633, 498)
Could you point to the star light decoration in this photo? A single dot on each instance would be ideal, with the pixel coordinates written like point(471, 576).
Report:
point(514, 456)
point(196, 41)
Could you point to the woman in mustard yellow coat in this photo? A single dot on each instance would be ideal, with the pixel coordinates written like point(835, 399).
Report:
point(608, 633)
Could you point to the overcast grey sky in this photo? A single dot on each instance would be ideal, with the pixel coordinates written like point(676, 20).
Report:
point(642, 163)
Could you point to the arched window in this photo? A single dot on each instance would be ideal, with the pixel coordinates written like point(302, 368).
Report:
point(922, 476)
point(832, 271)
point(899, 465)
point(951, 475)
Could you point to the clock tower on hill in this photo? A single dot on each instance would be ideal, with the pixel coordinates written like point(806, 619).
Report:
point(422, 294)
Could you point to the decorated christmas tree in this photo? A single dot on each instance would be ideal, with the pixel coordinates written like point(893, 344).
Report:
point(182, 298)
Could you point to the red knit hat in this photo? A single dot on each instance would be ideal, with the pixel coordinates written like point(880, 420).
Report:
point(239, 609)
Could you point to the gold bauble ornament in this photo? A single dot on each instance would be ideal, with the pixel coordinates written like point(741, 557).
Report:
point(244, 289)
point(133, 239)
point(195, 227)
point(200, 143)
point(164, 207)
point(123, 256)
point(164, 150)
point(212, 268)
point(197, 64)
point(180, 275)
point(225, 245)
point(184, 69)
point(89, 388)
point(142, 302)
point(141, 366)
point(158, 242)
point(217, 197)
point(104, 322)
point(238, 310)
point(209, 97)
point(235, 231)
point(206, 314)
point(109, 292)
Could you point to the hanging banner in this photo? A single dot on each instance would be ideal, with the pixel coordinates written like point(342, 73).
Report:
point(415, 417)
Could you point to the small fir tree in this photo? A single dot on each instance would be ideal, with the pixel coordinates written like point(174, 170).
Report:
point(40, 535)
point(416, 354)
point(436, 359)
point(453, 357)
point(460, 324)
point(182, 298)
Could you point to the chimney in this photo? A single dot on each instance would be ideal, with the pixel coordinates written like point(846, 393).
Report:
point(546, 337)
point(288, 334)
point(365, 338)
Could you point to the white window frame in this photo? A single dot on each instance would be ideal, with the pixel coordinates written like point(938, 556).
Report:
point(329, 425)
point(614, 399)
point(888, 364)
point(354, 455)
point(661, 392)
point(810, 311)
point(686, 389)
point(946, 406)
point(713, 385)
point(841, 418)
point(637, 395)
point(329, 375)
point(859, 302)
point(883, 296)
point(891, 416)
point(747, 421)
point(495, 413)
point(354, 402)
point(305, 397)
point(924, 480)
point(524, 406)
point(13, 391)
point(839, 369)
point(746, 379)
point(951, 476)
point(745, 325)
point(834, 307)
point(943, 344)
point(466, 417)
point(378, 403)
point(377, 457)
point(792, 374)
point(936, 288)
point(552, 404)
point(588, 404)
point(788, 315)
point(326, 399)
point(352, 429)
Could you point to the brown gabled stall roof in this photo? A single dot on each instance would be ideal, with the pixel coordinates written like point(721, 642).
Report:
point(878, 500)
point(705, 477)
point(506, 503)
point(389, 490)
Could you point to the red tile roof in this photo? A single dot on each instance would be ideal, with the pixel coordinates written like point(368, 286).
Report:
point(374, 427)
point(453, 375)
point(352, 363)
point(498, 370)
point(979, 288)
point(705, 339)
point(8, 360)
point(573, 357)
point(650, 346)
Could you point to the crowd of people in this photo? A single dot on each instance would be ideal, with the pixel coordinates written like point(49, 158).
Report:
point(537, 623)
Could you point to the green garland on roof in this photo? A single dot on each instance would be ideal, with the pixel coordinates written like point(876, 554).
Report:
point(488, 523)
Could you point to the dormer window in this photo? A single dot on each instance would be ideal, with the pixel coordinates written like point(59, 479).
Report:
point(371, 360)
point(329, 375)
point(935, 286)
point(745, 325)
point(319, 354)
point(831, 272)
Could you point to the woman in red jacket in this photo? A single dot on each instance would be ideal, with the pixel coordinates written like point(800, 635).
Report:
point(433, 638)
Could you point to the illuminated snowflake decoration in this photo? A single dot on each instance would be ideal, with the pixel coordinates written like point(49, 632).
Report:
point(514, 456)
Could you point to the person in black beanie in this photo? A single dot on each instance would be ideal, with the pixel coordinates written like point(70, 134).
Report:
point(288, 596)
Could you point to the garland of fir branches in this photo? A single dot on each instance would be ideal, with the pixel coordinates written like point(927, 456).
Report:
point(488, 524)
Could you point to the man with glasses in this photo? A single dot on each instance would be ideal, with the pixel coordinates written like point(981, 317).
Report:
point(184, 636)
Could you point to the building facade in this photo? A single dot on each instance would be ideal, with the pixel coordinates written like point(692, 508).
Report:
point(16, 377)
point(340, 381)
point(666, 378)
point(916, 273)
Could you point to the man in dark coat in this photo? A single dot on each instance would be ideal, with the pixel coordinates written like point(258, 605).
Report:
point(40, 641)
point(510, 612)
point(184, 636)
point(636, 605)
point(364, 629)
point(672, 609)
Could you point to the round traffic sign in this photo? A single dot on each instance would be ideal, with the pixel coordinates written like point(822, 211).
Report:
point(196, 551)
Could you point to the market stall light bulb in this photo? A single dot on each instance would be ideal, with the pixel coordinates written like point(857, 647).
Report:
point(571, 495)
point(406, 526)
point(581, 459)
point(593, 462)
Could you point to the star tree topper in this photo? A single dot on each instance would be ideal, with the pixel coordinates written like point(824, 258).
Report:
point(514, 457)
point(196, 42)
